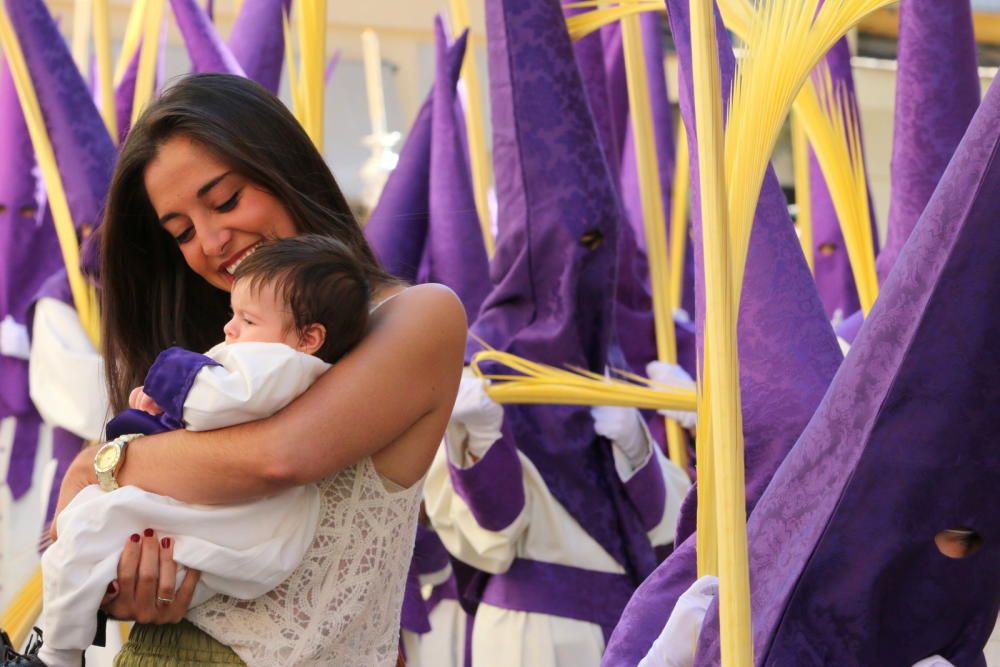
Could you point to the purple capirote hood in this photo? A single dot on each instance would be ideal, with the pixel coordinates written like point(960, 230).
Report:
point(399, 226)
point(834, 278)
point(844, 568)
point(788, 355)
point(554, 269)
point(257, 41)
point(84, 151)
point(205, 47)
point(29, 250)
point(937, 93)
point(454, 252)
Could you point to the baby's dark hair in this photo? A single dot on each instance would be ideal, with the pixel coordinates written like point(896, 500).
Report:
point(321, 281)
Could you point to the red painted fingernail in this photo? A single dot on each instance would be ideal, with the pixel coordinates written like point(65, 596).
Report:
point(134, 537)
point(148, 532)
point(165, 542)
point(112, 587)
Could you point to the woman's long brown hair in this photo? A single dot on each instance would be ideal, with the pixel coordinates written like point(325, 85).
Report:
point(151, 299)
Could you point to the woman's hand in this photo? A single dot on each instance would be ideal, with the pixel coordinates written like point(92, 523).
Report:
point(79, 475)
point(144, 591)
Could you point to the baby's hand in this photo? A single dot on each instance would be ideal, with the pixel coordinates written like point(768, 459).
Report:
point(139, 400)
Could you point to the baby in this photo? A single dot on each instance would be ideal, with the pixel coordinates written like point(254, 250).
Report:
point(298, 305)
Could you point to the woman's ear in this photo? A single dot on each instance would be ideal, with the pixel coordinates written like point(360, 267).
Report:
point(311, 338)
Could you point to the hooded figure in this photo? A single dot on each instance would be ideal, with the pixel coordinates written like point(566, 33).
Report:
point(564, 520)
point(845, 569)
point(258, 41)
point(205, 47)
point(788, 355)
point(425, 227)
point(397, 228)
point(834, 278)
point(65, 372)
point(937, 93)
point(454, 255)
point(30, 254)
point(633, 300)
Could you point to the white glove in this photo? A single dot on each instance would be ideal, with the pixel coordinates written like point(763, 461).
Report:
point(14, 339)
point(933, 661)
point(624, 428)
point(478, 413)
point(675, 376)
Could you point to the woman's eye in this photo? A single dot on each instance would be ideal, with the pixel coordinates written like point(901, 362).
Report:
point(184, 236)
point(229, 204)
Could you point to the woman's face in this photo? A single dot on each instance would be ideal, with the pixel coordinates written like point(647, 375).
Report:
point(214, 214)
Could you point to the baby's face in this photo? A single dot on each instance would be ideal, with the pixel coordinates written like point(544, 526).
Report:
point(259, 316)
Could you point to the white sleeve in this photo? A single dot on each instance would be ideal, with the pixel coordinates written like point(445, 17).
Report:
point(66, 374)
point(254, 381)
point(463, 536)
point(678, 484)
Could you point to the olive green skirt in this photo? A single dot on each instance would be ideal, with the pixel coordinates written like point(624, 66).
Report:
point(178, 645)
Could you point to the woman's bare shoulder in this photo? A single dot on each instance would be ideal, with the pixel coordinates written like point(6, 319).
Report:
point(428, 304)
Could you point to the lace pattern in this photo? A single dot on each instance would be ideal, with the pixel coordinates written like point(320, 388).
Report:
point(341, 606)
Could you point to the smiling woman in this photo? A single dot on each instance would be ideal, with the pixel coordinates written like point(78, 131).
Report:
point(216, 166)
point(212, 169)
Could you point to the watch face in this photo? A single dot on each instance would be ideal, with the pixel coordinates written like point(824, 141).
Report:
point(106, 458)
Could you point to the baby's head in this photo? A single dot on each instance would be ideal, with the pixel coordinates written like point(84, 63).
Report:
point(308, 292)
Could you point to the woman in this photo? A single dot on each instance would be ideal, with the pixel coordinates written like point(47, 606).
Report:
point(211, 169)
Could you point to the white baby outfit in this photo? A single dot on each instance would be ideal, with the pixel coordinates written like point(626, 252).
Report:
point(242, 551)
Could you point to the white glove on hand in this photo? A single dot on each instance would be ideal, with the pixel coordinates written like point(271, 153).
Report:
point(624, 428)
point(933, 661)
point(675, 376)
point(478, 413)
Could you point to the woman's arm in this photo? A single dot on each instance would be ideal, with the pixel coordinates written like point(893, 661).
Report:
point(399, 382)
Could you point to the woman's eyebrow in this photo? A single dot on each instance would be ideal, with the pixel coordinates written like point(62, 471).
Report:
point(202, 191)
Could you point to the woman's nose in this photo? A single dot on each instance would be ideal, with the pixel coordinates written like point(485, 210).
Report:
point(214, 240)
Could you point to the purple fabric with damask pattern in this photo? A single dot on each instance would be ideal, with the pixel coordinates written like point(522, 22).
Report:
point(616, 78)
point(555, 262)
point(834, 278)
point(788, 354)
point(204, 45)
point(84, 151)
point(454, 253)
point(633, 303)
point(937, 93)
point(589, 54)
point(844, 569)
point(257, 41)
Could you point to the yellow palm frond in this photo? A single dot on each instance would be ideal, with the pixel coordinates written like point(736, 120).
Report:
point(532, 382)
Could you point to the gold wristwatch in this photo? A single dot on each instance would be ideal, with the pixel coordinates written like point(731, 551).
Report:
point(109, 459)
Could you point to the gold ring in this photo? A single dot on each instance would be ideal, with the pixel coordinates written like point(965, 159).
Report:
point(165, 600)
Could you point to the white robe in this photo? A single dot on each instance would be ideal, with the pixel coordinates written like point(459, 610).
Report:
point(544, 531)
point(444, 644)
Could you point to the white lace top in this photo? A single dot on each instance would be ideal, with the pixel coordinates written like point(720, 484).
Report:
point(341, 605)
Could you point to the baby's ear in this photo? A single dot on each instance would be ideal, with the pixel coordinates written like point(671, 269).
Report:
point(311, 338)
